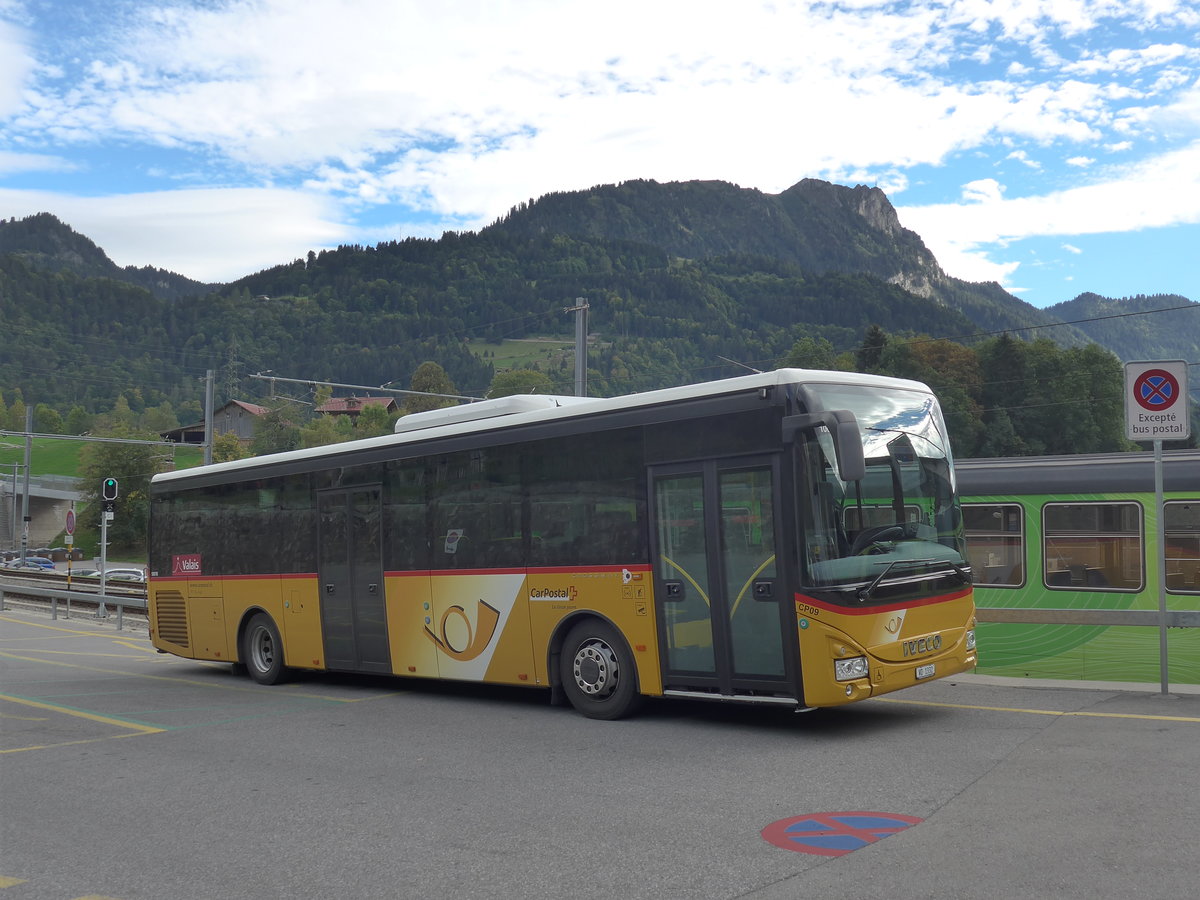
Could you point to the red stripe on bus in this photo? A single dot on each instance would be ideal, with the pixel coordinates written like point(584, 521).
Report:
point(159, 579)
point(873, 610)
point(422, 573)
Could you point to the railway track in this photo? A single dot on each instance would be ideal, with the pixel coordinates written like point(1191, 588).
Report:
point(28, 588)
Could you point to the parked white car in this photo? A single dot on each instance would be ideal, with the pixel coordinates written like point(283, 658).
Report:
point(114, 574)
point(124, 575)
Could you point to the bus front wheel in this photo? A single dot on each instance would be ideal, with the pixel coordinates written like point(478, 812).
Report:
point(597, 672)
point(262, 651)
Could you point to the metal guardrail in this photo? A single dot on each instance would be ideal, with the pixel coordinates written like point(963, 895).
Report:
point(54, 595)
point(1188, 618)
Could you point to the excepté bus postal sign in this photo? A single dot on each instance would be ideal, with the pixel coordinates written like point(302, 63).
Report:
point(1156, 401)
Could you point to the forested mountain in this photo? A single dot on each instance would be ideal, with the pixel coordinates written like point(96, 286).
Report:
point(1174, 334)
point(677, 277)
point(46, 243)
point(817, 226)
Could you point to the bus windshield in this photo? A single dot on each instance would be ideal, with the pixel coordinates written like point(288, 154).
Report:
point(903, 517)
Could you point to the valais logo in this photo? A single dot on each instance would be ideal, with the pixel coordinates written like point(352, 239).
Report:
point(186, 564)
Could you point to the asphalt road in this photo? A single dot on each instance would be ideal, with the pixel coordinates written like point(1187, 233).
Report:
point(127, 774)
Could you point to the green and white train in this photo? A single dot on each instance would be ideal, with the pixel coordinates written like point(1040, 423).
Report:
point(1064, 553)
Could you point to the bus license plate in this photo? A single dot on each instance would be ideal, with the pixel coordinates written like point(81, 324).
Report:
point(924, 671)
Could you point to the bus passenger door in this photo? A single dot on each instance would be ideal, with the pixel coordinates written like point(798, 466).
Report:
point(353, 611)
point(720, 605)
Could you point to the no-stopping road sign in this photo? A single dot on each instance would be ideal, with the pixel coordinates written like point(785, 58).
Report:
point(1156, 401)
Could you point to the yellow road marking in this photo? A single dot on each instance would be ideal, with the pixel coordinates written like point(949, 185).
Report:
point(209, 684)
point(1042, 712)
point(79, 713)
point(50, 627)
point(78, 653)
point(5, 881)
point(137, 729)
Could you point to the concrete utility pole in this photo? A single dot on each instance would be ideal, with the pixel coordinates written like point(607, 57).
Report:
point(581, 310)
point(25, 498)
point(208, 416)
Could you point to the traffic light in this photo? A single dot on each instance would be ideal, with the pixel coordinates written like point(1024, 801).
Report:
point(108, 490)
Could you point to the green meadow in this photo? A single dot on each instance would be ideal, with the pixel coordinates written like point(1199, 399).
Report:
point(56, 456)
point(516, 354)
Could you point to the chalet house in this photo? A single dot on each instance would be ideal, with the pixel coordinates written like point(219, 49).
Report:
point(352, 406)
point(235, 416)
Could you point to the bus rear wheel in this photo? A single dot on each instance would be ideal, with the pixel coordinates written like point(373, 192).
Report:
point(262, 651)
point(597, 672)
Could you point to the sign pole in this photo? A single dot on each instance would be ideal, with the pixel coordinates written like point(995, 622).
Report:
point(1161, 560)
point(70, 530)
point(1156, 407)
point(101, 612)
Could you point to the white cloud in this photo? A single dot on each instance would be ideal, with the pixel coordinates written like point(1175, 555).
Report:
point(541, 96)
point(11, 163)
point(15, 65)
point(459, 109)
point(208, 235)
point(1071, 248)
point(1126, 61)
point(1156, 192)
point(1022, 157)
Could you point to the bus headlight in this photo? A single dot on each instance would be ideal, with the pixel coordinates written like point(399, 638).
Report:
point(850, 669)
point(970, 638)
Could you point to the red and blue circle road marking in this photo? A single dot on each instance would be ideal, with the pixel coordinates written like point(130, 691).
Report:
point(1156, 389)
point(835, 833)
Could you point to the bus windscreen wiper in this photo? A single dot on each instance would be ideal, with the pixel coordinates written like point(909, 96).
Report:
point(865, 593)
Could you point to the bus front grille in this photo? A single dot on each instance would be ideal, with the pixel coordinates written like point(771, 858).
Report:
point(171, 617)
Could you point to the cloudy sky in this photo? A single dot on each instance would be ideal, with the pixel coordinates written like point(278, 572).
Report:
point(1050, 145)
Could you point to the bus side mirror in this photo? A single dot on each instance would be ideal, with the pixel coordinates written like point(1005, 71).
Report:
point(847, 442)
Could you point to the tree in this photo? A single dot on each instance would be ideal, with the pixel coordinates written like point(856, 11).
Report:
point(326, 430)
point(811, 353)
point(520, 381)
point(122, 414)
point(227, 447)
point(78, 421)
point(373, 421)
point(46, 420)
point(430, 378)
point(160, 418)
point(132, 465)
point(870, 352)
point(274, 432)
point(16, 413)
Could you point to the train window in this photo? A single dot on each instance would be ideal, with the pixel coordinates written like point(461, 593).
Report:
point(1182, 521)
point(996, 543)
point(1093, 546)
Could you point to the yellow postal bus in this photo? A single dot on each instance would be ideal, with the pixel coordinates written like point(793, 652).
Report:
point(790, 538)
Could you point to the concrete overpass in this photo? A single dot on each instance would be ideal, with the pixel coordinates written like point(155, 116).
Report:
point(50, 497)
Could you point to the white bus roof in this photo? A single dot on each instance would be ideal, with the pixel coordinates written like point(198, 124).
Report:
point(528, 409)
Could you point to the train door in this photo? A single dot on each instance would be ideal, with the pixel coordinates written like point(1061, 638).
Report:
point(721, 607)
point(353, 611)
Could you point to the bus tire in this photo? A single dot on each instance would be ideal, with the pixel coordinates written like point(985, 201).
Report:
point(262, 650)
point(597, 671)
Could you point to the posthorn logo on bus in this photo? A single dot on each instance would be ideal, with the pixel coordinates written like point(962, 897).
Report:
point(923, 645)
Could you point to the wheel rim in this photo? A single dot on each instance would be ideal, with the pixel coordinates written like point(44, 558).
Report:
point(596, 669)
point(262, 649)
